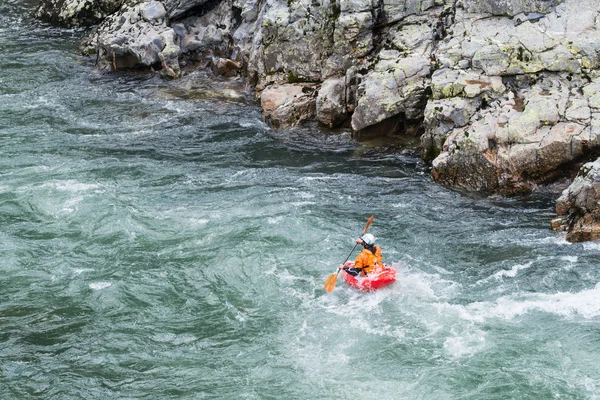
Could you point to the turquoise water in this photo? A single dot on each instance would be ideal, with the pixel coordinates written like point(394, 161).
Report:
point(159, 241)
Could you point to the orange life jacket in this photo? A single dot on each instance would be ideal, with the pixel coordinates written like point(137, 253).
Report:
point(368, 261)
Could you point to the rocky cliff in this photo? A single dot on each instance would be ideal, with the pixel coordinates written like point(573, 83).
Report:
point(504, 94)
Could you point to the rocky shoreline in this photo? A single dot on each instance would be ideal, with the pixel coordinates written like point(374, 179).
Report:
point(503, 94)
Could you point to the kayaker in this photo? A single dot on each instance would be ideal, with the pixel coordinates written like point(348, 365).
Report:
point(368, 259)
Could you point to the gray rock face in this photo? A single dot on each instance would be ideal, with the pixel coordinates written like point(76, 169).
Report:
point(526, 129)
point(208, 33)
point(293, 42)
point(76, 12)
point(525, 136)
point(396, 85)
point(578, 207)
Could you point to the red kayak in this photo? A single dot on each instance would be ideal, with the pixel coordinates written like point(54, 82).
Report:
point(375, 280)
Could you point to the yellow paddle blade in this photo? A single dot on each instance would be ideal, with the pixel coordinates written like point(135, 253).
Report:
point(330, 282)
point(368, 224)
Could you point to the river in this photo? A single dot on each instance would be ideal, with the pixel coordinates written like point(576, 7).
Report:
point(160, 241)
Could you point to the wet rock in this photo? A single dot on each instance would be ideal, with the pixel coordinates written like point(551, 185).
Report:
point(226, 67)
point(76, 12)
point(285, 106)
point(578, 208)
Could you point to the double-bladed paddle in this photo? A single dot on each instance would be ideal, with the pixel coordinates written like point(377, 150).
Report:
point(331, 279)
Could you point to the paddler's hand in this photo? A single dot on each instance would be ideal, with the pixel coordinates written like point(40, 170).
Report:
point(341, 266)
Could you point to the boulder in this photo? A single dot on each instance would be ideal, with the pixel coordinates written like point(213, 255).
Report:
point(285, 106)
point(578, 208)
point(138, 37)
point(292, 41)
point(209, 33)
point(331, 109)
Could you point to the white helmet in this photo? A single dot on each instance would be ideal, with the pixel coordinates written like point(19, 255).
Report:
point(368, 239)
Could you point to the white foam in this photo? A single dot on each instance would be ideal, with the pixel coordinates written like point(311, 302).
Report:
point(303, 203)
point(100, 285)
point(594, 246)
point(465, 344)
point(371, 328)
point(71, 204)
point(79, 271)
point(306, 195)
point(571, 259)
point(286, 277)
point(585, 304)
point(425, 286)
point(513, 271)
point(72, 186)
point(560, 240)
point(174, 339)
point(320, 178)
point(274, 220)
point(198, 221)
point(590, 385)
